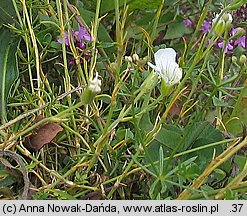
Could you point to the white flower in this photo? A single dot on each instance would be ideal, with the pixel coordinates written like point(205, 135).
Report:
point(95, 84)
point(166, 66)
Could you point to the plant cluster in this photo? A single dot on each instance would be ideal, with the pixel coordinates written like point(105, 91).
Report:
point(118, 99)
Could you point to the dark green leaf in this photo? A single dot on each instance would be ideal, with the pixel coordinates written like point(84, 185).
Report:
point(109, 5)
point(144, 4)
point(201, 133)
point(169, 135)
point(176, 30)
point(8, 68)
point(219, 102)
point(7, 12)
point(240, 161)
point(201, 3)
point(155, 189)
point(145, 123)
point(238, 117)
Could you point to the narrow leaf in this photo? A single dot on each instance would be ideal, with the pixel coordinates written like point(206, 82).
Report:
point(8, 68)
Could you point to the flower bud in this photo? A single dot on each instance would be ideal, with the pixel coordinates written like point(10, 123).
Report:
point(92, 90)
point(243, 59)
point(95, 84)
point(144, 60)
point(228, 25)
point(222, 24)
point(220, 28)
point(135, 58)
point(128, 59)
point(234, 59)
point(226, 17)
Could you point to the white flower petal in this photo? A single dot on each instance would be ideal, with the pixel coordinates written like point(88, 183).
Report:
point(177, 75)
point(154, 67)
point(230, 17)
point(163, 56)
point(95, 84)
point(166, 66)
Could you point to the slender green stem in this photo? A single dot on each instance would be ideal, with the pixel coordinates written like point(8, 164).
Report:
point(95, 39)
point(156, 20)
point(35, 46)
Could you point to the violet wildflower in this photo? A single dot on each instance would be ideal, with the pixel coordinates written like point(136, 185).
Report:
point(79, 37)
point(240, 42)
point(228, 47)
point(66, 39)
point(83, 34)
point(188, 23)
point(206, 26)
point(234, 31)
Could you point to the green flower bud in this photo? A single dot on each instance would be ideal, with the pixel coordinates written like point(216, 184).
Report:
point(220, 28)
point(228, 25)
point(234, 59)
point(222, 24)
point(225, 17)
point(92, 90)
point(243, 59)
point(143, 60)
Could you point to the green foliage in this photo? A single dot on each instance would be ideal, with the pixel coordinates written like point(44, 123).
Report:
point(176, 30)
point(8, 68)
point(9, 177)
point(108, 5)
point(7, 12)
point(145, 4)
point(132, 140)
point(238, 119)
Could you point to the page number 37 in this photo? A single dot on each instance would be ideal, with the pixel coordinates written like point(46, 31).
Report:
point(236, 207)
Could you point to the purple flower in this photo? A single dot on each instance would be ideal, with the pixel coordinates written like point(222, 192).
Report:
point(83, 34)
point(228, 47)
point(206, 26)
point(234, 31)
point(188, 23)
point(79, 37)
point(240, 42)
point(66, 38)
